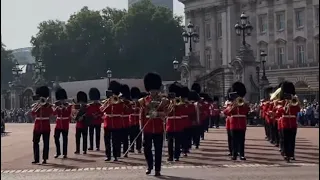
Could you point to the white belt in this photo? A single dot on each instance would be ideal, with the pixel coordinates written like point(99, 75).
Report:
point(175, 117)
point(184, 116)
point(239, 116)
point(42, 118)
point(62, 118)
point(216, 109)
point(289, 116)
point(113, 115)
point(135, 114)
point(125, 115)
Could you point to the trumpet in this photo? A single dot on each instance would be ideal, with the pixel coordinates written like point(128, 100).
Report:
point(111, 100)
point(38, 105)
point(293, 102)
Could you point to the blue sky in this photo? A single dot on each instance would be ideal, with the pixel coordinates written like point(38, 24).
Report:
point(20, 18)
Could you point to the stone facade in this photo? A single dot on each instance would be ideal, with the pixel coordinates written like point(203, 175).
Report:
point(288, 30)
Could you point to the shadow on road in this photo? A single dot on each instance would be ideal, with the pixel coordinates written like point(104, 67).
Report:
point(165, 177)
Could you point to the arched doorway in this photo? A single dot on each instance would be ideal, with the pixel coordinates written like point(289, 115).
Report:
point(27, 98)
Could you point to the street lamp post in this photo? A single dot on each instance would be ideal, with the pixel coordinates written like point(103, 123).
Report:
point(258, 80)
point(109, 75)
point(16, 72)
point(244, 28)
point(264, 80)
point(40, 69)
point(190, 36)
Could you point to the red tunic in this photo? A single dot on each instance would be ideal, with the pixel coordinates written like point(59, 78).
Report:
point(80, 124)
point(127, 110)
point(154, 125)
point(113, 115)
point(227, 117)
point(238, 116)
point(288, 118)
point(174, 119)
point(265, 109)
point(215, 109)
point(270, 113)
point(204, 111)
point(63, 117)
point(187, 114)
point(42, 118)
point(94, 112)
point(135, 114)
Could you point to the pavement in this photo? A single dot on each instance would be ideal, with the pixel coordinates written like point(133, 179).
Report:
point(207, 162)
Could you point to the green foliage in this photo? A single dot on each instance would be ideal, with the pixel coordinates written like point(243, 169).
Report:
point(6, 65)
point(131, 43)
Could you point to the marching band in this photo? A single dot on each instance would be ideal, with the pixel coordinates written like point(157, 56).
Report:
point(133, 119)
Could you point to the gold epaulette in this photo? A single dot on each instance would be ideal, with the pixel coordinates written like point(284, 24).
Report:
point(141, 101)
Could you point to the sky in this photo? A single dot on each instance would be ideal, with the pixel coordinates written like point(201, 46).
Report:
point(20, 18)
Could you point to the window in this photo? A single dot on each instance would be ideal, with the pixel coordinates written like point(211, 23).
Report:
point(208, 58)
point(219, 29)
point(280, 21)
point(281, 55)
point(208, 31)
point(197, 29)
point(263, 23)
point(300, 54)
point(299, 18)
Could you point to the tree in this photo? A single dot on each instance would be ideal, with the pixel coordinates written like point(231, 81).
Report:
point(6, 65)
point(51, 46)
point(150, 39)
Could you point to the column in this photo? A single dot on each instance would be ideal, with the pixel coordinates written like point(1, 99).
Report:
point(224, 38)
point(310, 25)
point(202, 33)
point(214, 40)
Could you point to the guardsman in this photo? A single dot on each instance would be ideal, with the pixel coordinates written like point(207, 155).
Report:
point(238, 112)
point(215, 118)
point(41, 111)
point(62, 111)
point(288, 118)
point(152, 120)
point(135, 135)
point(95, 116)
point(81, 122)
point(274, 119)
point(204, 113)
point(193, 98)
point(125, 97)
point(186, 120)
point(174, 126)
point(228, 104)
point(263, 106)
point(113, 109)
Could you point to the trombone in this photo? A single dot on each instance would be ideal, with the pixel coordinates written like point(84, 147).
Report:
point(36, 106)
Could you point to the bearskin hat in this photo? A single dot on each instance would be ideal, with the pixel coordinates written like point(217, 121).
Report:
point(114, 86)
point(152, 81)
point(239, 88)
point(135, 93)
point(82, 97)
point(61, 94)
point(184, 92)
point(215, 98)
point(267, 92)
point(94, 94)
point(196, 87)
point(43, 91)
point(144, 94)
point(125, 91)
point(175, 88)
point(193, 96)
point(287, 88)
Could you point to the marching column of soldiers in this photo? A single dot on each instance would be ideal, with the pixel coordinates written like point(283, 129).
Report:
point(133, 119)
point(279, 110)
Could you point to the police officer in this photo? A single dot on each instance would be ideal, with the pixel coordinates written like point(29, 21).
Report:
point(95, 116)
point(62, 111)
point(41, 111)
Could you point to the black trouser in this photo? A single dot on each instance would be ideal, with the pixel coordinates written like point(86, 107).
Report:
point(64, 133)
point(206, 125)
point(289, 139)
point(157, 140)
point(266, 128)
point(186, 139)
point(238, 139)
point(229, 140)
point(97, 128)
point(125, 139)
point(84, 133)
point(174, 138)
point(215, 120)
point(275, 134)
point(281, 140)
point(196, 132)
point(113, 135)
point(36, 147)
point(134, 132)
